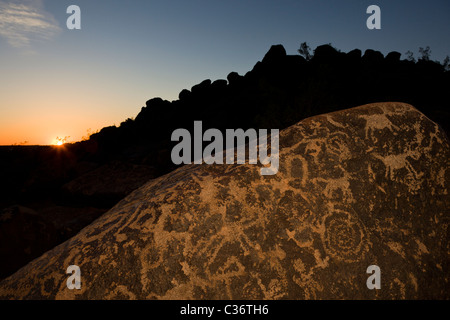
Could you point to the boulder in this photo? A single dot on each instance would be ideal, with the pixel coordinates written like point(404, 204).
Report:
point(372, 57)
point(24, 235)
point(27, 233)
point(353, 58)
point(219, 84)
point(108, 184)
point(234, 78)
point(326, 53)
point(201, 87)
point(356, 188)
point(155, 103)
point(393, 57)
point(355, 54)
point(68, 221)
point(184, 95)
point(155, 109)
point(275, 53)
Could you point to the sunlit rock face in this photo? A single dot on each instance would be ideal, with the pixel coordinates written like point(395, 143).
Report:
point(359, 187)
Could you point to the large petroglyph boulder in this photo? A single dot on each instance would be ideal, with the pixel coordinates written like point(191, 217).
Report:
point(359, 187)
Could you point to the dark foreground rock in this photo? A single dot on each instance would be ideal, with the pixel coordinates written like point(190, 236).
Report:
point(27, 233)
point(24, 235)
point(108, 184)
point(69, 221)
point(359, 187)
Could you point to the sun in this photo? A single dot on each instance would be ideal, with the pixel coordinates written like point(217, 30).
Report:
point(60, 141)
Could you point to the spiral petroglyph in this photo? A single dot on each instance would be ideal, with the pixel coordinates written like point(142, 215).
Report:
point(343, 237)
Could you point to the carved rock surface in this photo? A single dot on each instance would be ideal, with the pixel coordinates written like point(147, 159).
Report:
point(359, 187)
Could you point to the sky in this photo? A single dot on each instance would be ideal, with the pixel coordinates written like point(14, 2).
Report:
point(56, 82)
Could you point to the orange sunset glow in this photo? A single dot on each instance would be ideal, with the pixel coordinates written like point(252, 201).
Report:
point(40, 116)
point(60, 141)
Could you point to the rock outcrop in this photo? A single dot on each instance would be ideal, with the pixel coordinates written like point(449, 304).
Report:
point(109, 183)
point(24, 235)
point(359, 187)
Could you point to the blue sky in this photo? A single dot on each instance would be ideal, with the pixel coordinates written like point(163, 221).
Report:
point(60, 82)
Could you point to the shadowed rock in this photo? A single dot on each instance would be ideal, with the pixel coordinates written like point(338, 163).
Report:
point(274, 54)
point(373, 57)
point(184, 94)
point(326, 53)
point(109, 183)
point(355, 54)
point(359, 187)
point(24, 235)
point(393, 57)
point(234, 78)
point(201, 87)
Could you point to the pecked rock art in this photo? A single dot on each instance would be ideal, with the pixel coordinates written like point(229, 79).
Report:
point(359, 187)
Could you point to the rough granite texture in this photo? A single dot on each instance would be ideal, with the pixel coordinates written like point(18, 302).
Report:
point(358, 187)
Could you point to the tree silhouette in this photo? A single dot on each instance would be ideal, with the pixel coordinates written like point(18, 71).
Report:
point(410, 56)
point(425, 53)
point(62, 140)
point(88, 135)
point(305, 51)
point(20, 143)
point(446, 63)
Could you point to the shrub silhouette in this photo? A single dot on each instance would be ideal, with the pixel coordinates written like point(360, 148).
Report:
point(446, 63)
point(410, 56)
point(426, 53)
point(305, 51)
